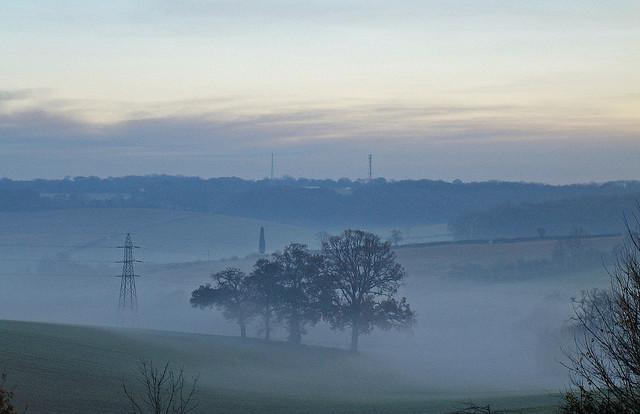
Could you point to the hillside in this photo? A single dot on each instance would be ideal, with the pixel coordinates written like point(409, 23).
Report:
point(90, 235)
point(317, 203)
point(602, 214)
point(451, 353)
point(70, 369)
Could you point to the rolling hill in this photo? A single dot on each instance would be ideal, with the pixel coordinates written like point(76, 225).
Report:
point(165, 235)
point(73, 369)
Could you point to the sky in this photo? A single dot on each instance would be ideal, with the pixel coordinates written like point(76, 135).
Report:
point(545, 91)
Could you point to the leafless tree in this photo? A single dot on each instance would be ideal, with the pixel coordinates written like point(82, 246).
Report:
point(605, 364)
point(6, 397)
point(163, 391)
point(322, 236)
point(364, 276)
point(396, 237)
point(572, 250)
point(230, 292)
point(542, 232)
point(472, 408)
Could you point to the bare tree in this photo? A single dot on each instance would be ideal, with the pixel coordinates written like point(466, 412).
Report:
point(396, 237)
point(572, 250)
point(232, 293)
point(605, 364)
point(364, 275)
point(322, 236)
point(6, 397)
point(164, 391)
point(472, 408)
point(266, 291)
point(542, 232)
point(299, 300)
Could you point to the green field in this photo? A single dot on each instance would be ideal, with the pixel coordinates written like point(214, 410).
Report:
point(69, 369)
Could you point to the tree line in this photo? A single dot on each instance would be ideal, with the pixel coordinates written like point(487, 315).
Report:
point(352, 283)
point(594, 213)
point(326, 202)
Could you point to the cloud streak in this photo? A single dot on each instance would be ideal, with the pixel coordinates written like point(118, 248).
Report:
point(472, 142)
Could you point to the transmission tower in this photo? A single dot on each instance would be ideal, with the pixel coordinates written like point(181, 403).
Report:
point(370, 167)
point(128, 295)
point(272, 167)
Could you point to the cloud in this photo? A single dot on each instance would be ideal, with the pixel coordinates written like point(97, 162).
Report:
point(9, 95)
point(470, 142)
point(238, 132)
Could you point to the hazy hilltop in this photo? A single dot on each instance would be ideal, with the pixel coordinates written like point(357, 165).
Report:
point(478, 209)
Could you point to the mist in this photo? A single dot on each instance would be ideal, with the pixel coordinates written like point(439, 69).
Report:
point(474, 335)
point(354, 206)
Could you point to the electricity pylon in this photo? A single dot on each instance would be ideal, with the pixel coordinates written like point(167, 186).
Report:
point(128, 296)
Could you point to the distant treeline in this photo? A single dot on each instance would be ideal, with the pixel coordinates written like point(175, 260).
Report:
point(594, 214)
point(330, 202)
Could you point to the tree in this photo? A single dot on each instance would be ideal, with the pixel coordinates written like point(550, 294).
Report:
point(542, 232)
point(6, 397)
point(262, 246)
point(299, 289)
point(164, 391)
point(322, 236)
point(605, 364)
point(364, 275)
point(395, 237)
point(231, 293)
point(571, 251)
point(472, 408)
point(265, 289)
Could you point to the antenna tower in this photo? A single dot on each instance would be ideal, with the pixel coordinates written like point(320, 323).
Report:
point(128, 296)
point(272, 166)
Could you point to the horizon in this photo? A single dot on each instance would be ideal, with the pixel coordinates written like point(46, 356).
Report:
point(300, 178)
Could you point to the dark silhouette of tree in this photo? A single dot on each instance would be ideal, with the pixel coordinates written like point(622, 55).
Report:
point(571, 252)
point(472, 408)
point(6, 397)
point(365, 277)
point(164, 391)
point(262, 245)
point(299, 289)
point(322, 236)
point(395, 237)
point(605, 364)
point(265, 288)
point(542, 232)
point(231, 293)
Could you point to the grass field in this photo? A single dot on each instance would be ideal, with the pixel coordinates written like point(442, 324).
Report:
point(70, 369)
point(438, 258)
point(165, 235)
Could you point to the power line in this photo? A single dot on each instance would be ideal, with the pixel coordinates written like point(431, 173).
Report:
point(52, 275)
point(70, 246)
point(44, 259)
